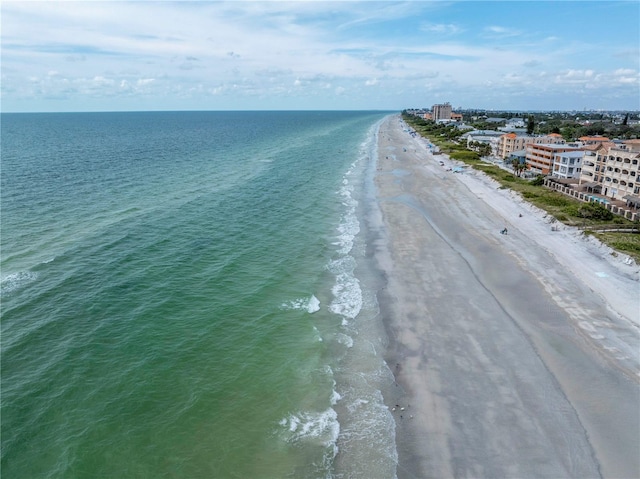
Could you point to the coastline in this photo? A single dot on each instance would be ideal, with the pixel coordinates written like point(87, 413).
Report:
point(514, 356)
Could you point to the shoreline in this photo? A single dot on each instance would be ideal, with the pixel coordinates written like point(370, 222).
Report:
point(515, 356)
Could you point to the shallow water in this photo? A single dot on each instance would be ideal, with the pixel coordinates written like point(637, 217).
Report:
point(189, 294)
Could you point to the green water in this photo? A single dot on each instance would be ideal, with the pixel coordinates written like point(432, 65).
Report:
point(186, 295)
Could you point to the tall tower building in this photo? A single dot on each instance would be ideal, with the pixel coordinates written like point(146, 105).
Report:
point(442, 111)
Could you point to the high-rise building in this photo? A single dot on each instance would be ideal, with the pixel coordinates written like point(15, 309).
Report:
point(441, 111)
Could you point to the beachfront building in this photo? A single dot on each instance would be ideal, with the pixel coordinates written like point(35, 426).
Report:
point(489, 137)
point(592, 140)
point(510, 142)
point(540, 157)
point(520, 155)
point(593, 164)
point(614, 171)
point(441, 112)
point(550, 139)
point(568, 164)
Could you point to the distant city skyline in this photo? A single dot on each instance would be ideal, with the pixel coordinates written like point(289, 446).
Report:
point(307, 55)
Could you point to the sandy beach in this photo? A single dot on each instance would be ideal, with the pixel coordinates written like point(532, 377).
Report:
point(515, 356)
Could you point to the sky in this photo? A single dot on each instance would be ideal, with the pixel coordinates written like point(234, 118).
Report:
point(312, 55)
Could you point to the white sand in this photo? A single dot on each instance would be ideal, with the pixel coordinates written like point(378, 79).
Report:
point(519, 354)
point(614, 277)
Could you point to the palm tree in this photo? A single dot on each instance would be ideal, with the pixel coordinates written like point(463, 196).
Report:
point(518, 167)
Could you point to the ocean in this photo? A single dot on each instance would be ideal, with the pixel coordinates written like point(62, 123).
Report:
point(192, 294)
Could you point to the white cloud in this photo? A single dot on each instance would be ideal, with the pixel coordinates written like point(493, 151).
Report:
point(502, 32)
point(303, 50)
point(441, 28)
point(625, 71)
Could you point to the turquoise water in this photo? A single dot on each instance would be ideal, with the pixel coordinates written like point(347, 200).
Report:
point(190, 295)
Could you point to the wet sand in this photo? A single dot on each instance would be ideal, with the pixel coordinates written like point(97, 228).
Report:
point(515, 356)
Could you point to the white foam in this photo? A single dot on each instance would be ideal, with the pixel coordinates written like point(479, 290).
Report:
point(310, 304)
point(349, 225)
point(344, 339)
point(14, 281)
point(344, 264)
point(347, 294)
point(322, 427)
point(357, 404)
point(313, 305)
point(347, 230)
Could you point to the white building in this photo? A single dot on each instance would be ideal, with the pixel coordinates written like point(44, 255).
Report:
point(567, 164)
point(614, 171)
point(489, 137)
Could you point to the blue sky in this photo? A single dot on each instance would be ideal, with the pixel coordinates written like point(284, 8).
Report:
point(306, 55)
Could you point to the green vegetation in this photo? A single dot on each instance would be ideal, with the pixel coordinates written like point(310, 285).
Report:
point(571, 125)
point(627, 243)
point(518, 166)
point(570, 211)
point(531, 125)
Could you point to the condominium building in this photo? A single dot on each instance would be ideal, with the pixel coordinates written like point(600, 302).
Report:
point(568, 164)
point(441, 111)
point(510, 142)
point(540, 157)
point(614, 171)
point(592, 140)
